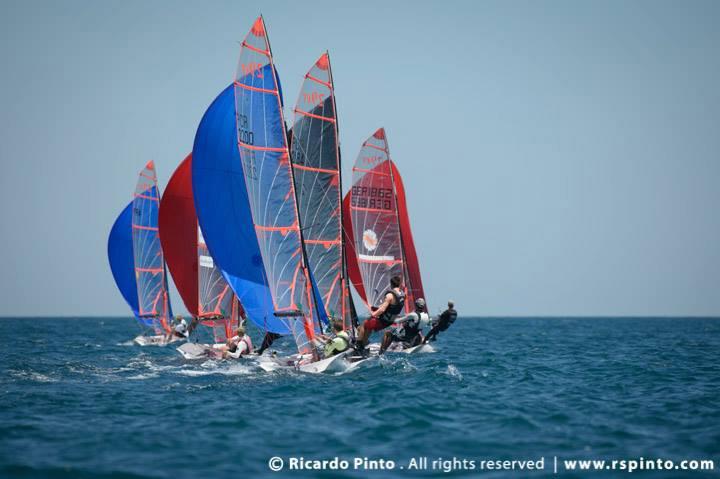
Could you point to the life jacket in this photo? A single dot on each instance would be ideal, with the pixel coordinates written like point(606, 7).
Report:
point(346, 339)
point(346, 344)
point(394, 309)
point(412, 325)
point(248, 344)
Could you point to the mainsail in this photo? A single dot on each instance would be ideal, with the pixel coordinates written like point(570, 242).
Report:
point(268, 173)
point(381, 243)
point(150, 274)
point(315, 155)
point(206, 294)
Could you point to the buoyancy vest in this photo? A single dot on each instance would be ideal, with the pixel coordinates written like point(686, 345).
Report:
point(394, 309)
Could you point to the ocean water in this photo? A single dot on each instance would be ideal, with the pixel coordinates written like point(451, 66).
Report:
point(77, 400)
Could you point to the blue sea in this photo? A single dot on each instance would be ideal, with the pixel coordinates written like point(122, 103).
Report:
point(79, 400)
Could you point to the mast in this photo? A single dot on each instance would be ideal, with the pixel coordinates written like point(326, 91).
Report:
point(346, 297)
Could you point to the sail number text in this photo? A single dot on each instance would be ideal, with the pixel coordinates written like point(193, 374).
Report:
point(369, 197)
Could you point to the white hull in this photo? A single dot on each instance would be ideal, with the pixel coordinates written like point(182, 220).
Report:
point(334, 364)
point(374, 349)
point(195, 351)
point(158, 340)
point(422, 348)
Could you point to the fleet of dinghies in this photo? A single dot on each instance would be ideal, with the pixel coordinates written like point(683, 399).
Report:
point(253, 223)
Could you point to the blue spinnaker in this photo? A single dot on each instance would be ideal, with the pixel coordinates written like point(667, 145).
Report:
point(221, 203)
point(120, 256)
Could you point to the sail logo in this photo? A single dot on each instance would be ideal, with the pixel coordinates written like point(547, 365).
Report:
point(206, 261)
point(313, 98)
point(372, 160)
point(252, 69)
point(370, 240)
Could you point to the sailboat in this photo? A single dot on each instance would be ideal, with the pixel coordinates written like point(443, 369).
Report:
point(377, 227)
point(315, 153)
point(270, 184)
point(137, 262)
point(206, 294)
point(245, 200)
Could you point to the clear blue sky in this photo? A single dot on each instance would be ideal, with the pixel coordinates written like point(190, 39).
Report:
point(561, 157)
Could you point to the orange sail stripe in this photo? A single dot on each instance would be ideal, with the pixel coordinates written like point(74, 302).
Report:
point(146, 197)
point(375, 210)
point(373, 172)
point(260, 148)
point(317, 80)
point(281, 229)
point(376, 147)
point(312, 115)
point(326, 243)
point(250, 47)
point(319, 170)
point(148, 228)
point(149, 270)
point(254, 88)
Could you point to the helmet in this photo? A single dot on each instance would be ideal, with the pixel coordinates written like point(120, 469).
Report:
point(420, 303)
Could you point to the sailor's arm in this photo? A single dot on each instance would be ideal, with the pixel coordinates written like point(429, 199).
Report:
point(381, 309)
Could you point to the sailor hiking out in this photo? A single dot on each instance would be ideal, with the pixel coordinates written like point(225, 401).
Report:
point(446, 319)
point(407, 329)
point(385, 314)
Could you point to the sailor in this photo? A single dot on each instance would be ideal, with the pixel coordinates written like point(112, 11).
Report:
point(407, 329)
point(385, 314)
point(338, 344)
point(238, 345)
point(447, 318)
point(181, 328)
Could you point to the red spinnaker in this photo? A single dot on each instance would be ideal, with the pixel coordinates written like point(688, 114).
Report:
point(178, 234)
point(353, 269)
point(202, 287)
point(412, 266)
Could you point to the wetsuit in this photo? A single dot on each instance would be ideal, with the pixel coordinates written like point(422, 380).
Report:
point(446, 319)
point(408, 331)
point(387, 318)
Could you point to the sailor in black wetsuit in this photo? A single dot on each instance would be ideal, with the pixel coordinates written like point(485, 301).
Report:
point(446, 319)
point(407, 329)
point(384, 315)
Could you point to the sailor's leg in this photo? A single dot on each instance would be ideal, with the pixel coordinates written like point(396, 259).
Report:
point(431, 335)
point(386, 341)
point(363, 334)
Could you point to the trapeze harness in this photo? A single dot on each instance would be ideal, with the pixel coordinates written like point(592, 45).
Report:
point(393, 310)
